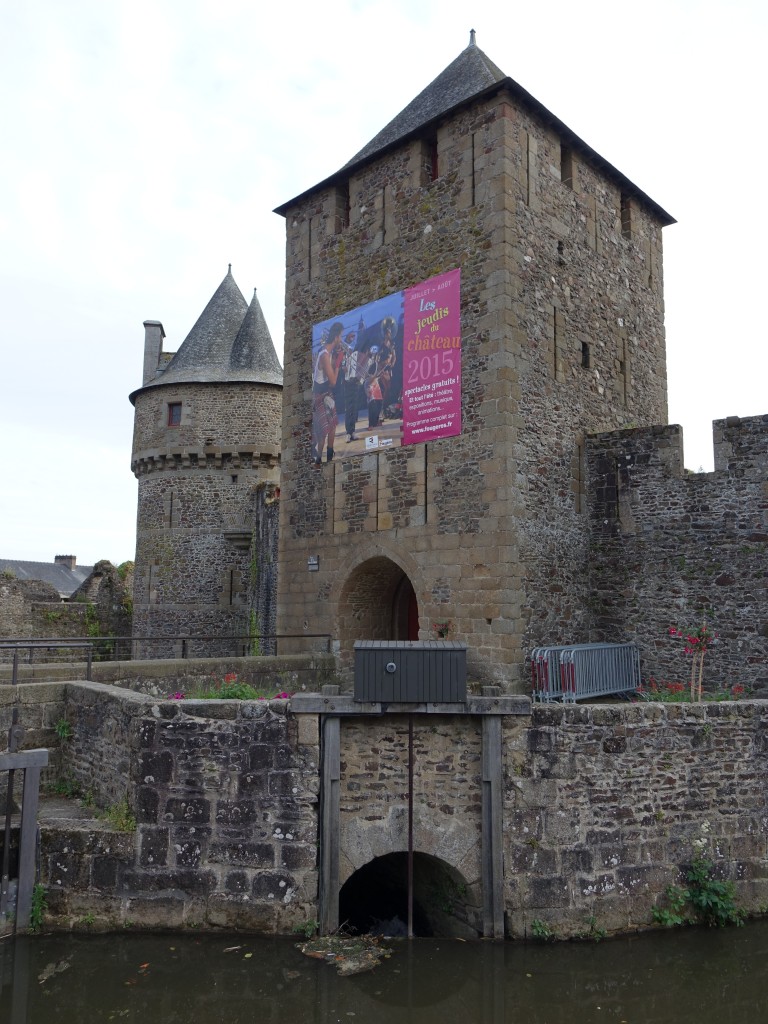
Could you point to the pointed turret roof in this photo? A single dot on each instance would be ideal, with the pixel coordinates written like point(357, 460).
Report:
point(229, 342)
point(469, 77)
point(253, 351)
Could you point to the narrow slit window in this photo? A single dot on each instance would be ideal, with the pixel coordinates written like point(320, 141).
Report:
point(432, 162)
point(566, 166)
point(626, 216)
point(585, 362)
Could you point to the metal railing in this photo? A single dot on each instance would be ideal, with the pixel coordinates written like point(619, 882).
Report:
point(578, 671)
point(45, 650)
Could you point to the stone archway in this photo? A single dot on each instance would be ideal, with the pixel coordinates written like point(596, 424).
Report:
point(374, 898)
point(377, 602)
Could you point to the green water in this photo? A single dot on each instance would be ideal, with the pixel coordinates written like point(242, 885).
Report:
point(706, 977)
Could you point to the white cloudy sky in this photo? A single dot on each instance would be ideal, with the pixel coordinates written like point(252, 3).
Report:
point(146, 142)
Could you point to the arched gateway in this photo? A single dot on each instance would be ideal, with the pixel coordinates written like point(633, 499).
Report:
point(376, 601)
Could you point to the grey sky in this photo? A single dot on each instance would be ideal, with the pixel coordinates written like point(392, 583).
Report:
point(145, 145)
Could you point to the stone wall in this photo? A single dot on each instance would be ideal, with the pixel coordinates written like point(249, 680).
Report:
point(225, 799)
point(159, 677)
point(601, 804)
point(671, 548)
point(100, 607)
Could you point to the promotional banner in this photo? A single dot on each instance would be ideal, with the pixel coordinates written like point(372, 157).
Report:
point(389, 372)
point(432, 359)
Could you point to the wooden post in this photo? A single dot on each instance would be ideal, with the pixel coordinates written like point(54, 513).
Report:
point(492, 811)
point(330, 768)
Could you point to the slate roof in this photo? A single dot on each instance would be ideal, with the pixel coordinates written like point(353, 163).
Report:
point(471, 74)
point(469, 77)
point(229, 342)
point(253, 350)
point(65, 580)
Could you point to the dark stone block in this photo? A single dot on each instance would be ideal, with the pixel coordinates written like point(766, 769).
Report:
point(156, 768)
point(245, 854)
point(615, 745)
point(285, 757)
point(251, 784)
point(147, 806)
point(104, 873)
point(153, 850)
point(237, 882)
point(187, 880)
point(193, 810)
point(187, 852)
point(298, 856)
point(147, 731)
point(540, 741)
point(272, 885)
point(235, 813)
point(577, 860)
point(548, 892)
point(282, 783)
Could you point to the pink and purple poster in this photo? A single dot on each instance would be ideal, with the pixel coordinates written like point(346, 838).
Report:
point(388, 373)
point(432, 359)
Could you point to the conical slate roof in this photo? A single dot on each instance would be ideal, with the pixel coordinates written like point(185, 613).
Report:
point(229, 342)
point(466, 77)
point(253, 351)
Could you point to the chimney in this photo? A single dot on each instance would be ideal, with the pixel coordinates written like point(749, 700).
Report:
point(70, 561)
point(153, 348)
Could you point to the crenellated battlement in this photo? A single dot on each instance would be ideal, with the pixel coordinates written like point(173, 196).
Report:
point(671, 548)
point(204, 459)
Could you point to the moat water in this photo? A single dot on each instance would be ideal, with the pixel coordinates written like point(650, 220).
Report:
point(701, 976)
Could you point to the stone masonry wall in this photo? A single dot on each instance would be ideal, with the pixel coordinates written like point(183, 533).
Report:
point(101, 607)
point(225, 799)
point(601, 804)
point(562, 334)
point(671, 548)
point(198, 485)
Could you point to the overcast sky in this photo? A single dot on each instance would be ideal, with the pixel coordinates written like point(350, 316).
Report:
point(145, 144)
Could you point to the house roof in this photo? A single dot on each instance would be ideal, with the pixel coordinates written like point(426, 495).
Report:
point(229, 342)
point(471, 76)
point(65, 580)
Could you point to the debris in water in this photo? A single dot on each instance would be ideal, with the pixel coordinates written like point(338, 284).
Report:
point(55, 967)
point(351, 955)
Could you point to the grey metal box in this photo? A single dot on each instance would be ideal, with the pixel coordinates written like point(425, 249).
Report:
point(411, 671)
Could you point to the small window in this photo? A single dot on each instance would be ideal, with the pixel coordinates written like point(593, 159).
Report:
point(566, 166)
point(174, 414)
point(626, 215)
point(432, 164)
point(585, 355)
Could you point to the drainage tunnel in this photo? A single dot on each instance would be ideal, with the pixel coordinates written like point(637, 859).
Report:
point(375, 899)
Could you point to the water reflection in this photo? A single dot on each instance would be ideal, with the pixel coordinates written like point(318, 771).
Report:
point(702, 976)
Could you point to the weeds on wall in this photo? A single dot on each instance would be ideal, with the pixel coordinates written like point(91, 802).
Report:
point(705, 899)
point(38, 908)
point(119, 817)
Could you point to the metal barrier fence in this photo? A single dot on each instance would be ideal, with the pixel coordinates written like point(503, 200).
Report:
point(578, 671)
point(42, 650)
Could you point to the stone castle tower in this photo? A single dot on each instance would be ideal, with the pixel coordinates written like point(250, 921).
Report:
point(483, 535)
point(206, 452)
